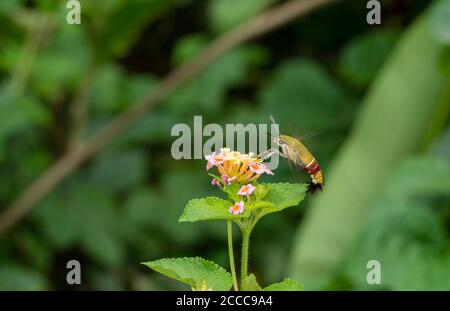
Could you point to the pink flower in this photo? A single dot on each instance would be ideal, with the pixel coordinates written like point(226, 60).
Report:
point(227, 179)
point(215, 182)
point(235, 167)
point(214, 159)
point(259, 168)
point(246, 189)
point(237, 208)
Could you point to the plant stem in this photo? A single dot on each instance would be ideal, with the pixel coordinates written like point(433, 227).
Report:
point(244, 255)
point(231, 254)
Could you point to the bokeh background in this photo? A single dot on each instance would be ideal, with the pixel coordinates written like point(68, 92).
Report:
point(377, 98)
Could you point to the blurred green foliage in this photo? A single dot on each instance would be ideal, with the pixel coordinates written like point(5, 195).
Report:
point(373, 150)
point(406, 229)
point(122, 206)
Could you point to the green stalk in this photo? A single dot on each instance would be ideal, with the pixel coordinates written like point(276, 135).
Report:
point(244, 255)
point(231, 254)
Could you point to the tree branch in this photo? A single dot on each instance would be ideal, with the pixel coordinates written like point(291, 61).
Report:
point(263, 23)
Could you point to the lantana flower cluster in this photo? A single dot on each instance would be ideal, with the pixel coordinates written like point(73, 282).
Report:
point(237, 168)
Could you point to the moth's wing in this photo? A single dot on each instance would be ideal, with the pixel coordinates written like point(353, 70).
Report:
point(309, 134)
point(294, 163)
point(292, 166)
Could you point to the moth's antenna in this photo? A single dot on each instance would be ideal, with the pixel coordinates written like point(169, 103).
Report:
point(272, 119)
point(273, 122)
point(311, 133)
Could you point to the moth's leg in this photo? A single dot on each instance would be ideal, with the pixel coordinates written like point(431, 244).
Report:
point(267, 154)
point(270, 152)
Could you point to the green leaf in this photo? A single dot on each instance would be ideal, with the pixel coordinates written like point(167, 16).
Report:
point(14, 278)
point(224, 14)
point(188, 47)
point(196, 272)
point(140, 208)
point(419, 175)
point(107, 89)
point(8, 7)
point(154, 127)
point(56, 69)
point(209, 208)
point(287, 284)
point(84, 215)
point(208, 91)
point(310, 93)
point(306, 90)
point(101, 9)
point(281, 196)
point(117, 171)
point(124, 24)
point(261, 204)
point(17, 117)
point(261, 191)
point(189, 184)
point(250, 284)
point(410, 241)
point(364, 56)
point(232, 191)
point(113, 90)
